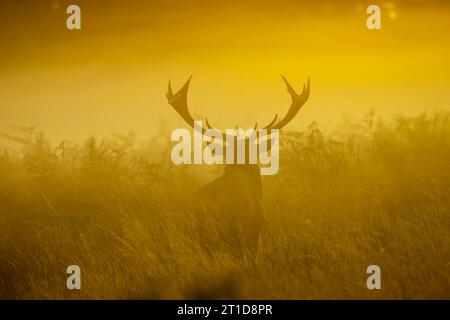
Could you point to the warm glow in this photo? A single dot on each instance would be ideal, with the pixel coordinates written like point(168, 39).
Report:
point(112, 75)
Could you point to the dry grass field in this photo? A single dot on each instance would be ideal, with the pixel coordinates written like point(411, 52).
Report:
point(375, 191)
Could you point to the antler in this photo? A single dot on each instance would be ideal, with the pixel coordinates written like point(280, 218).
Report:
point(179, 102)
point(297, 102)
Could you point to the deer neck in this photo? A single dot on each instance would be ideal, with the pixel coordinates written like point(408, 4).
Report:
point(251, 171)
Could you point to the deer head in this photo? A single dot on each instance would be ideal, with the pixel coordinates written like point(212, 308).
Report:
point(179, 102)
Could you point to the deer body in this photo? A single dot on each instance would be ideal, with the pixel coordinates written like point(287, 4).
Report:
point(230, 209)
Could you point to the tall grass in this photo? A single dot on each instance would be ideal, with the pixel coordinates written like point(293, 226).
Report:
point(376, 192)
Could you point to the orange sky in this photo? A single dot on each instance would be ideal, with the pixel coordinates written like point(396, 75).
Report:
point(112, 75)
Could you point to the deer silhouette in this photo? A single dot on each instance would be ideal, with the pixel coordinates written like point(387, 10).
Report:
point(229, 210)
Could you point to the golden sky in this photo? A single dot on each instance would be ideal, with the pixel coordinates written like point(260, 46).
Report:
point(111, 76)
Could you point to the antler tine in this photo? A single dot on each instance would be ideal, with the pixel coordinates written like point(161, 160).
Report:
point(182, 93)
point(269, 126)
point(169, 93)
point(207, 123)
point(289, 87)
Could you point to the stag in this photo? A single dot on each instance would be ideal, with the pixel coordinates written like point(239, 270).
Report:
point(229, 210)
